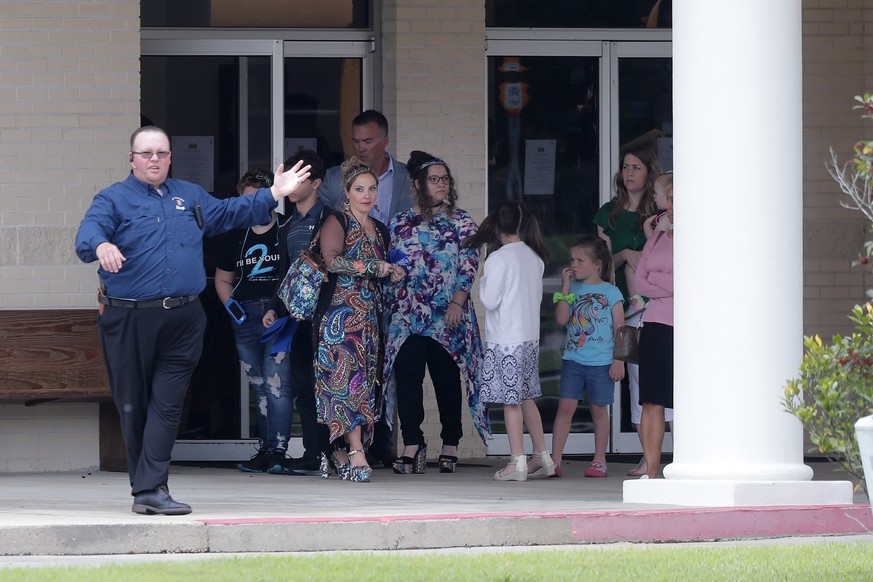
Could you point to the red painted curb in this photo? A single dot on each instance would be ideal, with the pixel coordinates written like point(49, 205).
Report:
point(722, 523)
point(670, 525)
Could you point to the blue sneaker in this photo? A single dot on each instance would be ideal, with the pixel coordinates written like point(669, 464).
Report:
point(257, 464)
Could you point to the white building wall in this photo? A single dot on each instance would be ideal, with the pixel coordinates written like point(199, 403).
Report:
point(49, 437)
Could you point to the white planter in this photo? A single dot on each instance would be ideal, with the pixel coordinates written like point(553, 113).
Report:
point(864, 434)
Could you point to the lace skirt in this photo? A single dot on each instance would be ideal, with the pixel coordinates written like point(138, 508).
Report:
point(510, 372)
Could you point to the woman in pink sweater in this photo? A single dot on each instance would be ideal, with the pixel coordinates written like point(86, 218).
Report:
point(654, 279)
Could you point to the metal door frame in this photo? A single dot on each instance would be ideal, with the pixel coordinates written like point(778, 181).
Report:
point(249, 43)
point(610, 46)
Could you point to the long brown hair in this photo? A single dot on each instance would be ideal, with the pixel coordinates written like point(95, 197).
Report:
point(622, 198)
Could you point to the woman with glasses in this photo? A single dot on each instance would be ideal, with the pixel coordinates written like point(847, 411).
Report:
point(433, 324)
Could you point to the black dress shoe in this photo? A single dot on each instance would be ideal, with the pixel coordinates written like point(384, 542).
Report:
point(158, 501)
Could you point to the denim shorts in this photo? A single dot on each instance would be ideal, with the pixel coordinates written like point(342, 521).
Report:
point(577, 380)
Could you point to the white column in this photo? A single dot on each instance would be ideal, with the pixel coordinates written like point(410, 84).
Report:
point(738, 260)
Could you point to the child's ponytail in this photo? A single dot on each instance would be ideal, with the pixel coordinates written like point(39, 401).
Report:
point(510, 218)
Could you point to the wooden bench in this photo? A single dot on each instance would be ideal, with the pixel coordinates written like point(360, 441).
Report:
point(50, 355)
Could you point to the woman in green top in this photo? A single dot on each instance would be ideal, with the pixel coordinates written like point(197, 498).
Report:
point(620, 221)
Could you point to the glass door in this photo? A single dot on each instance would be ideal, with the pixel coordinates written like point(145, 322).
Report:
point(559, 109)
point(643, 102)
point(243, 104)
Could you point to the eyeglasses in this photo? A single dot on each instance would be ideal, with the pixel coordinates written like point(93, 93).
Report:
point(437, 179)
point(148, 155)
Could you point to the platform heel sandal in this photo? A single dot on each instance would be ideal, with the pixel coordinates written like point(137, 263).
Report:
point(342, 469)
point(324, 466)
point(547, 466)
point(416, 464)
point(448, 463)
point(359, 474)
point(520, 473)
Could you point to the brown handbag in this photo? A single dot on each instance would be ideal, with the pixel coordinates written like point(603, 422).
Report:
point(627, 344)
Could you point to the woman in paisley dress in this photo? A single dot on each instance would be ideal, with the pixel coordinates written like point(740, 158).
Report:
point(349, 346)
point(433, 323)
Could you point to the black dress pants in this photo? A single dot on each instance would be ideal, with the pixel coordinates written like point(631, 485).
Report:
point(416, 353)
point(316, 437)
point(150, 356)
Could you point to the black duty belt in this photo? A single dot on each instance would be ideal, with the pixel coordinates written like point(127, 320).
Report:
point(166, 302)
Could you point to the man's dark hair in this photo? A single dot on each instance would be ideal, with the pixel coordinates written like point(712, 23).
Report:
point(372, 116)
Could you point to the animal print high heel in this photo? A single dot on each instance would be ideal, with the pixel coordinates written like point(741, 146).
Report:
point(448, 463)
point(343, 469)
point(359, 473)
point(324, 466)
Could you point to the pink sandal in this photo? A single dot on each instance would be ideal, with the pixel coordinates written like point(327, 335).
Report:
point(596, 469)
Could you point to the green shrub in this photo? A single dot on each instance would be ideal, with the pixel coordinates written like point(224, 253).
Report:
point(835, 389)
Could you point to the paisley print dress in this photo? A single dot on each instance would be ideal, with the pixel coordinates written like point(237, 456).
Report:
point(349, 349)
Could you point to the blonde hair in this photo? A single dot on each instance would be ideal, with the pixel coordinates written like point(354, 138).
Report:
point(665, 180)
point(352, 168)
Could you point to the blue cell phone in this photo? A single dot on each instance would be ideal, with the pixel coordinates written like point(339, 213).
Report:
point(236, 311)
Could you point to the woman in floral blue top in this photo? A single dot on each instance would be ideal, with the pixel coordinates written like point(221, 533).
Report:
point(433, 323)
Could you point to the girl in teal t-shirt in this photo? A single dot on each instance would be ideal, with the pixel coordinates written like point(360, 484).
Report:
point(592, 309)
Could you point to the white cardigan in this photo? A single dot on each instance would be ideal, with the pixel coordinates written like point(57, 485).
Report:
point(511, 289)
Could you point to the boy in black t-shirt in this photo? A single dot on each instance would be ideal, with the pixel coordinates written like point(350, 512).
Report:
point(248, 269)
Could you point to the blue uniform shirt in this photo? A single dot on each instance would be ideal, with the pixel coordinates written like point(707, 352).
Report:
point(159, 235)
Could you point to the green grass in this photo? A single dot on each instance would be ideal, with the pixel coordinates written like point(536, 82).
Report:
point(820, 562)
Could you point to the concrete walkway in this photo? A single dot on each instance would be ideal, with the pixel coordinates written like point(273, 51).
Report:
point(82, 514)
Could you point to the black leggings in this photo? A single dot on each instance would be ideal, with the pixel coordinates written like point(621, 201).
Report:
point(416, 352)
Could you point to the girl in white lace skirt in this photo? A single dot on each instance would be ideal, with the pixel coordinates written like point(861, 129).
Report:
point(511, 289)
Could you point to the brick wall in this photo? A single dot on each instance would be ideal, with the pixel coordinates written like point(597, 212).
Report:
point(836, 67)
point(434, 95)
point(69, 96)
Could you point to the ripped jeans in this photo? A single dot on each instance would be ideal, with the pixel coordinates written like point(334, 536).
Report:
point(269, 377)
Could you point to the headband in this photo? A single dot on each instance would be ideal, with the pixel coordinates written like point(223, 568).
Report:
point(357, 171)
point(432, 162)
